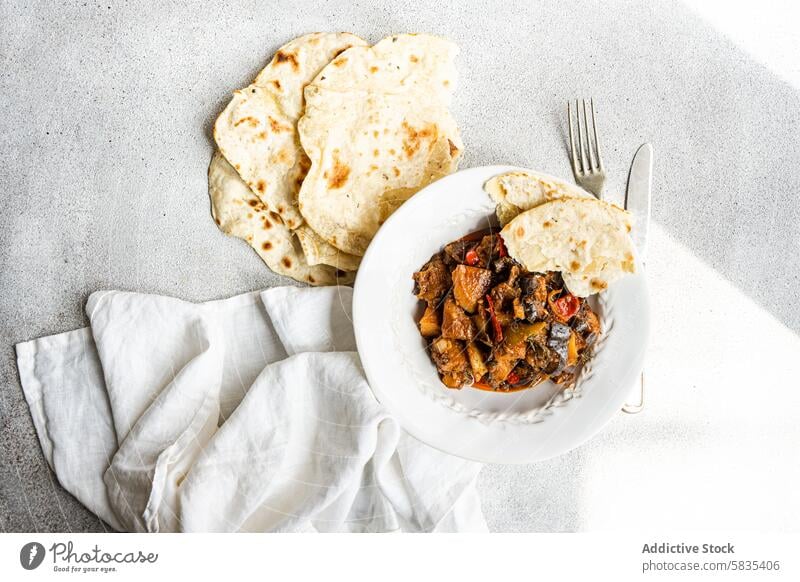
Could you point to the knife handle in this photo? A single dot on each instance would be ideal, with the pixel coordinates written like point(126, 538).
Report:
point(636, 408)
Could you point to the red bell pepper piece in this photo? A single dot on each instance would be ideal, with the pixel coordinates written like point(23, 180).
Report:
point(501, 247)
point(566, 307)
point(472, 258)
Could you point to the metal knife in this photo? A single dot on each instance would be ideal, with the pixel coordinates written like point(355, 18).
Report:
point(637, 198)
point(637, 202)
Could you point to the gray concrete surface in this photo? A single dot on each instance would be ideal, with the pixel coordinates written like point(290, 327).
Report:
point(105, 110)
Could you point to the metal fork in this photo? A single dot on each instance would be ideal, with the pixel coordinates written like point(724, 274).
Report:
point(587, 164)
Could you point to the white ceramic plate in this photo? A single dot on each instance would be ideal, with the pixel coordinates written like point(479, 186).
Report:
point(517, 427)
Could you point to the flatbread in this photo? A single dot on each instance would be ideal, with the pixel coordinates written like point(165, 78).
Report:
point(317, 251)
point(257, 130)
point(516, 192)
point(377, 129)
point(587, 240)
point(238, 212)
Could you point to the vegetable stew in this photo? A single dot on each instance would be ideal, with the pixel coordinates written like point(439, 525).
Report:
point(493, 325)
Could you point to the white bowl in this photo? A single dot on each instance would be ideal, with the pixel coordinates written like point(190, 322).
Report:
point(492, 427)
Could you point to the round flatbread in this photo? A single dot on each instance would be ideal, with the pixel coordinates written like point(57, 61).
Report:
point(257, 130)
point(238, 212)
point(516, 192)
point(377, 129)
point(587, 240)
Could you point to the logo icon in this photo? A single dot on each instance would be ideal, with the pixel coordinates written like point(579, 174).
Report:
point(31, 555)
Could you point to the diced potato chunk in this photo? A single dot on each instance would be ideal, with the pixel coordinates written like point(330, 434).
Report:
point(469, 285)
point(455, 323)
point(429, 323)
point(476, 361)
point(453, 381)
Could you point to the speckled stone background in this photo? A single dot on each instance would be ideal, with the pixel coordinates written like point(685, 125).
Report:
point(105, 116)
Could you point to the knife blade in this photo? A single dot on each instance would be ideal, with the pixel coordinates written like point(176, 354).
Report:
point(637, 197)
point(637, 202)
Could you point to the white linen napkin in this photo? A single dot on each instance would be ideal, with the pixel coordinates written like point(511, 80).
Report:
point(246, 414)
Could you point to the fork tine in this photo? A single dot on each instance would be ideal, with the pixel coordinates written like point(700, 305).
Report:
point(572, 152)
point(592, 164)
point(596, 139)
point(584, 166)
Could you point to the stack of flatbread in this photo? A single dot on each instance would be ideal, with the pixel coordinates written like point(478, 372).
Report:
point(551, 225)
point(329, 139)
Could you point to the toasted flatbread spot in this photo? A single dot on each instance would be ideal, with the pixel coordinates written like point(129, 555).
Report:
point(261, 186)
point(287, 262)
point(373, 70)
point(266, 245)
point(453, 148)
point(277, 84)
point(415, 138)
point(342, 50)
point(338, 175)
point(598, 285)
point(311, 279)
point(276, 126)
point(340, 62)
point(547, 224)
point(291, 58)
point(520, 232)
point(413, 58)
point(252, 121)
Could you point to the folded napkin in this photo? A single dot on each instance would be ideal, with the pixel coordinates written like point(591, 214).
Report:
point(246, 414)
